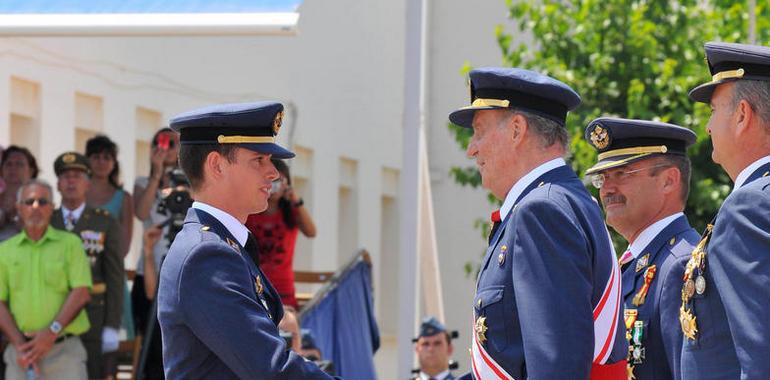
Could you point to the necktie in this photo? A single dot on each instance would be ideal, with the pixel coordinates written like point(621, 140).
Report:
point(69, 223)
point(625, 258)
point(495, 218)
point(252, 249)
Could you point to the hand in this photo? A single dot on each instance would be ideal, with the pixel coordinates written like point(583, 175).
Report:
point(156, 161)
point(290, 195)
point(151, 236)
point(37, 347)
point(110, 339)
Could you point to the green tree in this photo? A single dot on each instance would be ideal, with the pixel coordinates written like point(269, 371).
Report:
point(628, 58)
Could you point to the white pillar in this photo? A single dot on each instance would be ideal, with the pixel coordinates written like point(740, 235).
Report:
point(409, 199)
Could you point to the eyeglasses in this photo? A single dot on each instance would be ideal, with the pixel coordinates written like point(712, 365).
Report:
point(619, 176)
point(40, 201)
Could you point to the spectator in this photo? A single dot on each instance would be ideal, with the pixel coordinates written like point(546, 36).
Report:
point(275, 230)
point(100, 234)
point(18, 167)
point(44, 285)
point(107, 192)
point(148, 192)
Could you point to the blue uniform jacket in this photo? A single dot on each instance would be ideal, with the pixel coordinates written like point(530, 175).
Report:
point(544, 271)
point(218, 313)
point(662, 335)
point(733, 338)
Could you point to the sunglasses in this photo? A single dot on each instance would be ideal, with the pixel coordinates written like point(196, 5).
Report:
point(40, 201)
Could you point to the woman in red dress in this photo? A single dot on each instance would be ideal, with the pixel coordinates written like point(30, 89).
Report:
point(276, 230)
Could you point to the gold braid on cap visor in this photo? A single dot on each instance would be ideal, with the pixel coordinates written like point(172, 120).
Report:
point(245, 139)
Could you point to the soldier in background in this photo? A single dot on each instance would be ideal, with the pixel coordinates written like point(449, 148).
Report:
point(434, 348)
point(101, 241)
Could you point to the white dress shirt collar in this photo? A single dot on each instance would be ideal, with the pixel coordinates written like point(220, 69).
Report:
point(649, 233)
point(440, 376)
point(745, 173)
point(76, 213)
point(524, 182)
point(236, 228)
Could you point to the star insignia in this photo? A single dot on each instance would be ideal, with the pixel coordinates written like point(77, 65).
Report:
point(481, 329)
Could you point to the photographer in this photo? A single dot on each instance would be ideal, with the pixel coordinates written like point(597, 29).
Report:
point(149, 207)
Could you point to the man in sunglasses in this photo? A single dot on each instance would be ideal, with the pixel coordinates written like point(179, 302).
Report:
point(100, 234)
point(643, 176)
point(44, 286)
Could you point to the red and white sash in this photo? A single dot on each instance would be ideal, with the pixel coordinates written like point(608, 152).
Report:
point(605, 316)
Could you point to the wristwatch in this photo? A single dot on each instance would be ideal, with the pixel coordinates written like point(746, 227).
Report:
point(55, 327)
point(299, 203)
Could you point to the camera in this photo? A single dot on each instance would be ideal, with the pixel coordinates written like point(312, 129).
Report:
point(176, 200)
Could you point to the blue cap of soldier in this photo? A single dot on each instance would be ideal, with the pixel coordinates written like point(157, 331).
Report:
point(430, 326)
point(500, 88)
point(250, 125)
point(730, 62)
point(623, 141)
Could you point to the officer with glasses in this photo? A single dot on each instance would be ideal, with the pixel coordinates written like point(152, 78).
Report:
point(643, 176)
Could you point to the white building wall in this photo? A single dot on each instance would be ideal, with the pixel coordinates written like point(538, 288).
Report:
point(341, 79)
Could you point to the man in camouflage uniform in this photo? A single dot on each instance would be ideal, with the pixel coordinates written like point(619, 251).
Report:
point(101, 241)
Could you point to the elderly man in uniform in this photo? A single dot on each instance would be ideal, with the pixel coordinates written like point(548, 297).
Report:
point(434, 348)
point(547, 302)
point(44, 285)
point(218, 313)
point(643, 177)
point(101, 240)
point(726, 296)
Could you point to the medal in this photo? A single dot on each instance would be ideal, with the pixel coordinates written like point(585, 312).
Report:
point(629, 316)
point(481, 329)
point(688, 290)
point(700, 284)
point(641, 296)
point(687, 320)
point(638, 354)
point(258, 285)
point(638, 333)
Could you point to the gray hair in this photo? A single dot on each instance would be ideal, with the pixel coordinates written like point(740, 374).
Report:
point(34, 182)
point(681, 163)
point(549, 131)
point(757, 94)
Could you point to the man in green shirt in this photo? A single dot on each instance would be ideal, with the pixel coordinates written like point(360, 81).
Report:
point(44, 285)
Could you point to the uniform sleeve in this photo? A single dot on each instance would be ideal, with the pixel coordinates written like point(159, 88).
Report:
point(739, 260)
point(79, 270)
point(553, 290)
point(217, 297)
point(670, 300)
point(113, 275)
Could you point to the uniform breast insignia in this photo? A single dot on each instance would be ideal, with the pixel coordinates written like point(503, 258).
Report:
point(232, 243)
point(694, 282)
point(642, 262)
point(258, 285)
point(501, 256)
point(641, 296)
point(635, 346)
point(93, 241)
point(629, 317)
point(481, 329)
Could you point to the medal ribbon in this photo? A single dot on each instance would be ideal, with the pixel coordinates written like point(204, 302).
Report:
point(641, 296)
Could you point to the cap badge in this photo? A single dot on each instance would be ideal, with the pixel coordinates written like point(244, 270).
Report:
point(68, 158)
point(600, 137)
point(277, 122)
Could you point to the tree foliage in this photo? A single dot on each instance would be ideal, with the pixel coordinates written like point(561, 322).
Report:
point(628, 58)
